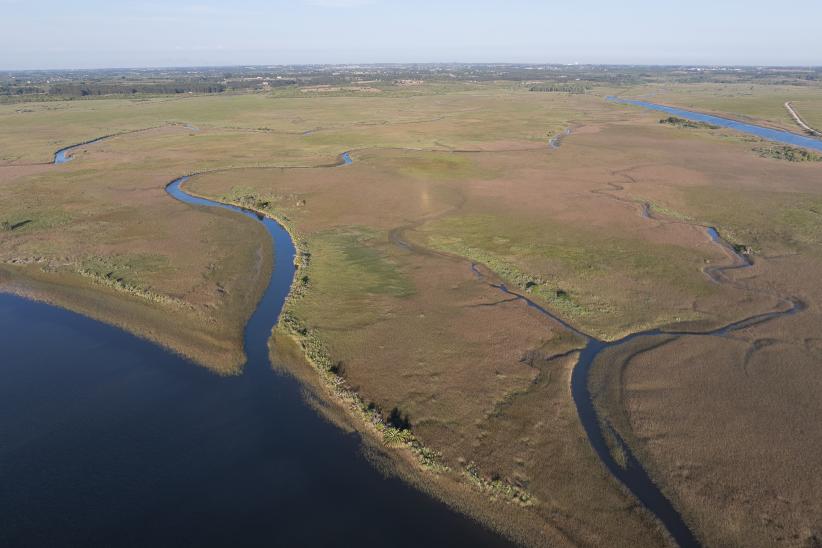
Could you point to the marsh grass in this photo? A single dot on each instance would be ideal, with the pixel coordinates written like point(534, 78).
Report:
point(760, 219)
point(567, 268)
point(126, 273)
point(393, 434)
point(383, 326)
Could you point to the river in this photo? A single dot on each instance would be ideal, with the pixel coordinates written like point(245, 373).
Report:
point(107, 439)
point(770, 134)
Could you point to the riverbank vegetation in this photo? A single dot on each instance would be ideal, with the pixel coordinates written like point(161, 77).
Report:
point(788, 153)
point(453, 188)
point(682, 122)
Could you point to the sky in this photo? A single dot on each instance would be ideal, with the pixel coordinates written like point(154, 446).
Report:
point(50, 34)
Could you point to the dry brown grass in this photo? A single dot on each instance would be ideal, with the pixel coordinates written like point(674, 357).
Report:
point(728, 426)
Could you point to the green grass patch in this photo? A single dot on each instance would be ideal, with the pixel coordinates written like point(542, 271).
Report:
point(758, 218)
point(582, 274)
point(125, 269)
point(124, 273)
point(348, 261)
point(350, 269)
point(440, 167)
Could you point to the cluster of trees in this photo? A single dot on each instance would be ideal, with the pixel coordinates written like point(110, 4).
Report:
point(788, 153)
point(682, 122)
point(95, 88)
point(562, 88)
point(85, 89)
point(19, 90)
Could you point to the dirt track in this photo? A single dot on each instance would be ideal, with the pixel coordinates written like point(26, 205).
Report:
point(798, 119)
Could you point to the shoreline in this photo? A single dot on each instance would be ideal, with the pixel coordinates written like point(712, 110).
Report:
point(107, 305)
point(408, 458)
point(422, 459)
point(336, 385)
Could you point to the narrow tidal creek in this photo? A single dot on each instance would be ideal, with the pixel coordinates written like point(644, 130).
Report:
point(631, 473)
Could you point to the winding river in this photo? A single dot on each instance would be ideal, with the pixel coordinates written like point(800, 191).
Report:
point(108, 439)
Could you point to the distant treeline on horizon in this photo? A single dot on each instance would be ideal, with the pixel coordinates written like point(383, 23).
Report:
point(34, 85)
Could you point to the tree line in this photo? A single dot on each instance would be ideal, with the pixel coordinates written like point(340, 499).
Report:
point(561, 88)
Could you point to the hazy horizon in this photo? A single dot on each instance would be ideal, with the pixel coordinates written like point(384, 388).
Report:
point(400, 63)
point(93, 34)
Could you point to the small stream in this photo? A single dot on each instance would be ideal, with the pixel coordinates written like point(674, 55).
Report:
point(64, 155)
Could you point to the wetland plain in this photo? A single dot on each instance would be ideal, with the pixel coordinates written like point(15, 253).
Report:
point(676, 261)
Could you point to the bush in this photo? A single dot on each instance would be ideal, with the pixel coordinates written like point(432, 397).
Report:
point(788, 153)
point(398, 421)
point(682, 122)
point(576, 89)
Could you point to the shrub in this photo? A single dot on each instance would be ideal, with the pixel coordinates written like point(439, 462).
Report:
point(788, 153)
point(682, 122)
point(398, 421)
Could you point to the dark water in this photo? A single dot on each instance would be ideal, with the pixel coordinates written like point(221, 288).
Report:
point(776, 135)
point(106, 439)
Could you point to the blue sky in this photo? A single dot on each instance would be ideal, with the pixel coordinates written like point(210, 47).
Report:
point(112, 33)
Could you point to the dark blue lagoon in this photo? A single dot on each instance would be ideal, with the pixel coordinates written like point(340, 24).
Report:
point(106, 439)
point(776, 135)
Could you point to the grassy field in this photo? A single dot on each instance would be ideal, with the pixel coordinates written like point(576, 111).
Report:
point(721, 421)
point(388, 305)
point(99, 234)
